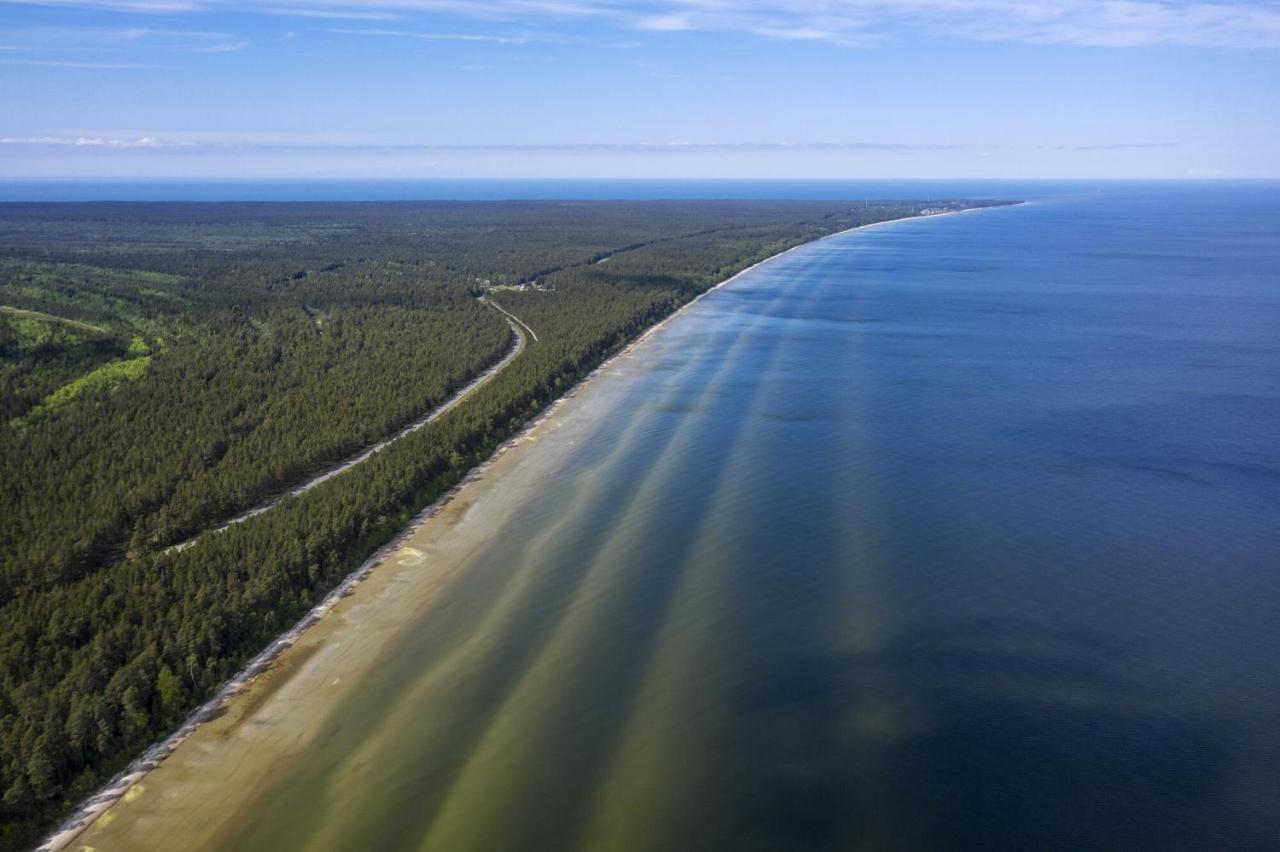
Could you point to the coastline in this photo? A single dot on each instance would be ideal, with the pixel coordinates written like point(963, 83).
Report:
point(678, 311)
point(91, 809)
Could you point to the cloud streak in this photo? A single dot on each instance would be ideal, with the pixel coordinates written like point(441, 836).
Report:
point(1089, 23)
point(107, 39)
point(856, 23)
point(225, 47)
point(81, 142)
point(429, 36)
point(96, 66)
point(287, 143)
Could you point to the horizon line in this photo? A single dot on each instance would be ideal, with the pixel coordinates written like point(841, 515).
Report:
point(1206, 178)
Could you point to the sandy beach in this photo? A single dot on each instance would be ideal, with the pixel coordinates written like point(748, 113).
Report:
point(270, 706)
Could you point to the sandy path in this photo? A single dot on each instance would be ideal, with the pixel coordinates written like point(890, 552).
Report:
point(512, 318)
point(518, 332)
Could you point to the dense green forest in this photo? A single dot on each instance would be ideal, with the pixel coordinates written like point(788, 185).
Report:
point(165, 366)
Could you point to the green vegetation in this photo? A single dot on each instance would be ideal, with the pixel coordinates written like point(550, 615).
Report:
point(166, 366)
point(106, 377)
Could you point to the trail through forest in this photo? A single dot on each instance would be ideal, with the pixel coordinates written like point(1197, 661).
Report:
point(518, 331)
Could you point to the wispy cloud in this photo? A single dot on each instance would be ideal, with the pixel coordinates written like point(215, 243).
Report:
point(96, 66)
point(225, 47)
point(1094, 23)
point(143, 6)
point(665, 23)
point(862, 23)
point(335, 14)
point(82, 142)
point(429, 36)
point(259, 141)
point(103, 40)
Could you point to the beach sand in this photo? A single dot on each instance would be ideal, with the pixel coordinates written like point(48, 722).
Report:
point(183, 792)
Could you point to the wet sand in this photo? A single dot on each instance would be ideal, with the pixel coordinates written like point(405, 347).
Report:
point(213, 776)
point(183, 797)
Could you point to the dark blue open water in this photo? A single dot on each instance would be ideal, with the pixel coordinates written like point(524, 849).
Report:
point(984, 514)
point(957, 533)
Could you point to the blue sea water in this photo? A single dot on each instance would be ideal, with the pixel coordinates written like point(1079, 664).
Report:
point(984, 513)
point(956, 533)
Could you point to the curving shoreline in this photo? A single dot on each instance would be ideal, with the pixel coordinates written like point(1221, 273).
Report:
point(120, 785)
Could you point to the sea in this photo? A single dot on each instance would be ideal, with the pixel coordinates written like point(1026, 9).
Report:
point(957, 533)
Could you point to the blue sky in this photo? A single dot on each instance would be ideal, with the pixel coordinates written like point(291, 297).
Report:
point(639, 88)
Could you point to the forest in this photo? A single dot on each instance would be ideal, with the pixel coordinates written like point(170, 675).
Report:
point(165, 366)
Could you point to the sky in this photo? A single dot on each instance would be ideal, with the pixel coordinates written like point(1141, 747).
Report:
point(435, 89)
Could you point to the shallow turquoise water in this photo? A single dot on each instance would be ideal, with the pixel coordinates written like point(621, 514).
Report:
point(956, 533)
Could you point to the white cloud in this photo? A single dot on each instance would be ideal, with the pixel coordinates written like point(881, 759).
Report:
point(428, 36)
point(82, 141)
point(145, 6)
point(57, 63)
point(674, 22)
point(1097, 23)
point(225, 47)
point(109, 48)
point(335, 14)
point(1094, 23)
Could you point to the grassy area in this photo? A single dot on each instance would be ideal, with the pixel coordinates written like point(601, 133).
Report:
point(41, 353)
point(104, 299)
point(33, 326)
point(71, 329)
point(105, 378)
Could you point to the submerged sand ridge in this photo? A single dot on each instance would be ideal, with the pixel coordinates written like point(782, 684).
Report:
point(426, 584)
point(194, 799)
point(858, 553)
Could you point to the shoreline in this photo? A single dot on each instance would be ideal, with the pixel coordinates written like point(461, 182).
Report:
point(101, 801)
point(678, 311)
